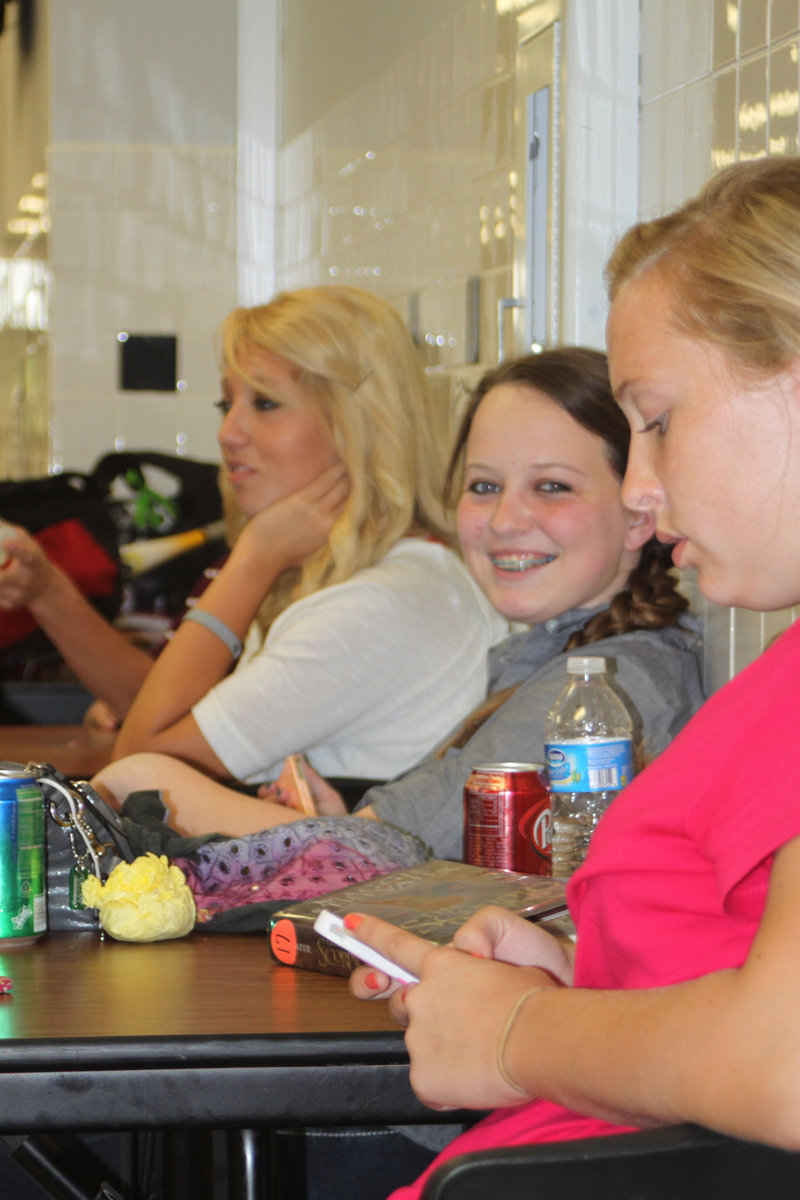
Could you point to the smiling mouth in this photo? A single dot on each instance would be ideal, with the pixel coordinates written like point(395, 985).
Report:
point(520, 562)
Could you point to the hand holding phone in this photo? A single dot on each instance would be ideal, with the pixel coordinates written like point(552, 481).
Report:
point(294, 785)
point(332, 927)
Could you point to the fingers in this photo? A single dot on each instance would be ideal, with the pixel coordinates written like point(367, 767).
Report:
point(368, 983)
point(100, 716)
point(506, 937)
point(487, 929)
point(402, 947)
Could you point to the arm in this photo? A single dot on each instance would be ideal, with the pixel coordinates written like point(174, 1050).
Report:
point(722, 1050)
point(280, 537)
point(196, 804)
point(103, 659)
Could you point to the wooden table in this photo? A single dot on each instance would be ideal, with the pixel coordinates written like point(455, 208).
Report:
point(206, 1032)
point(74, 749)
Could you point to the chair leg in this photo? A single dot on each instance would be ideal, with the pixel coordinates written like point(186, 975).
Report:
point(248, 1168)
point(63, 1171)
point(188, 1165)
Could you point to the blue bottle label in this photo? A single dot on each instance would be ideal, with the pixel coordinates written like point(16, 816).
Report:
point(599, 765)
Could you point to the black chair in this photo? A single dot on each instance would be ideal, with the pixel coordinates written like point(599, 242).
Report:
point(679, 1162)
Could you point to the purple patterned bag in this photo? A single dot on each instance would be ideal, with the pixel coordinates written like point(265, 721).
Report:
point(236, 882)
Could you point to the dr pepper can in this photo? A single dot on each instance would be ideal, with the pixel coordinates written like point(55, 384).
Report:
point(23, 879)
point(507, 817)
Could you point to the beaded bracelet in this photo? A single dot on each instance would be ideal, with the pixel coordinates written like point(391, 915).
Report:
point(217, 627)
point(501, 1045)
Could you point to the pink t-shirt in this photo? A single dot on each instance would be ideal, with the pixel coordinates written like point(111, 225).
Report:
point(676, 877)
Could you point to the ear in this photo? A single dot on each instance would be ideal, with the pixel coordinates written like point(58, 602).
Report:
point(641, 529)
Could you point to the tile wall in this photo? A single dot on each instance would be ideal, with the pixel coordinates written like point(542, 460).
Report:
point(720, 81)
point(414, 183)
point(143, 240)
point(408, 186)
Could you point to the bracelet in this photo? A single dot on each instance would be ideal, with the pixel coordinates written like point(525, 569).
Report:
point(217, 627)
point(501, 1045)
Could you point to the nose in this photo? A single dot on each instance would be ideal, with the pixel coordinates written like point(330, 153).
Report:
point(233, 430)
point(510, 514)
point(641, 487)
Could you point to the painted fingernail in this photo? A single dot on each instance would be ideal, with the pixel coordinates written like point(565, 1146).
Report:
point(352, 920)
point(372, 982)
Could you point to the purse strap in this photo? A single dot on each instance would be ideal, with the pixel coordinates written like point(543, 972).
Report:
point(74, 802)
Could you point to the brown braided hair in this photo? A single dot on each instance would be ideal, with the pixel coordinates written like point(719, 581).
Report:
point(576, 379)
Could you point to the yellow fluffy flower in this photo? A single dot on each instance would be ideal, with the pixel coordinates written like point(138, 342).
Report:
point(144, 901)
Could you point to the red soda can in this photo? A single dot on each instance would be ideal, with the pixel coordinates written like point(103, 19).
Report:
point(507, 818)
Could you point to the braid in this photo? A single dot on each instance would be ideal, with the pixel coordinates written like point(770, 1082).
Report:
point(650, 601)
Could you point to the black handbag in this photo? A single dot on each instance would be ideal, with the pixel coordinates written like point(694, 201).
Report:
point(83, 836)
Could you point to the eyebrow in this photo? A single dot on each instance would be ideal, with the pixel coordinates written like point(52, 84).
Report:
point(535, 466)
point(263, 383)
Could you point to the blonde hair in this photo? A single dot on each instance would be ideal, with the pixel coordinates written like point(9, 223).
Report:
point(731, 257)
point(354, 359)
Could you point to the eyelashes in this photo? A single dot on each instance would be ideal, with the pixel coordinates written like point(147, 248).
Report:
point(660, 423)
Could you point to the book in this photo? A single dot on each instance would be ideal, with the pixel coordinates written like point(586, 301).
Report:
point(432, 899)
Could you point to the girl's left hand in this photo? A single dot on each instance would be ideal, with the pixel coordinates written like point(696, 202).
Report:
point(454, 1016)
point(289, 531)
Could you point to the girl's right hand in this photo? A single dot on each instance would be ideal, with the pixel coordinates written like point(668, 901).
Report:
point(462, 1000)
point(25, 570)
point(493, 933)
point(327, 801)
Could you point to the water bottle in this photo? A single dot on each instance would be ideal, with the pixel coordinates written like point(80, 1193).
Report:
point(589, 756)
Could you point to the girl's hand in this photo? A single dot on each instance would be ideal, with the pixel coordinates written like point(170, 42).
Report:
point(327, 801)
point(100, 715)
point(25, 570)
point(496, 933)
point(493, 933)
point(454, 1016)
point(289, 531)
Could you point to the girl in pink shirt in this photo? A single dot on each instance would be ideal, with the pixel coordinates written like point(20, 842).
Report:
point(681, 1001)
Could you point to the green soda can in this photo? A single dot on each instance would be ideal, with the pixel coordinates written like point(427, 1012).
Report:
point(23, 878)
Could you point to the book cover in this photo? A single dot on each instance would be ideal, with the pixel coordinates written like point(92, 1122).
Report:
point(432, 900)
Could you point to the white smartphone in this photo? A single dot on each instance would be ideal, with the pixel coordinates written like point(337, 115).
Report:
point(332, 927)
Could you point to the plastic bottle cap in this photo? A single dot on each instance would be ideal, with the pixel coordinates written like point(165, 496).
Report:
point(586, 666)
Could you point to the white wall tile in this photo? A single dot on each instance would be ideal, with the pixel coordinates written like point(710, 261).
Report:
point(83, 427)
point(752, 108)
point(784, 18)
point(80, 175)
point(725, 32)
point(784, 89)
point(752, 25)
point(144, 302)
point(697, 38)
point(145, 421)
point(82, 240)
point(79, 358)
point(697, 139)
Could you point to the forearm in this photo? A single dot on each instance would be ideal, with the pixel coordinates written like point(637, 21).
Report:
point(651, 1057)
point(195, 803)
point(193, 662)
point(722, 1050)
point(102, 658)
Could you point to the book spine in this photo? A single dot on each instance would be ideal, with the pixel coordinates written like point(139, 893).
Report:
point(296, 943)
